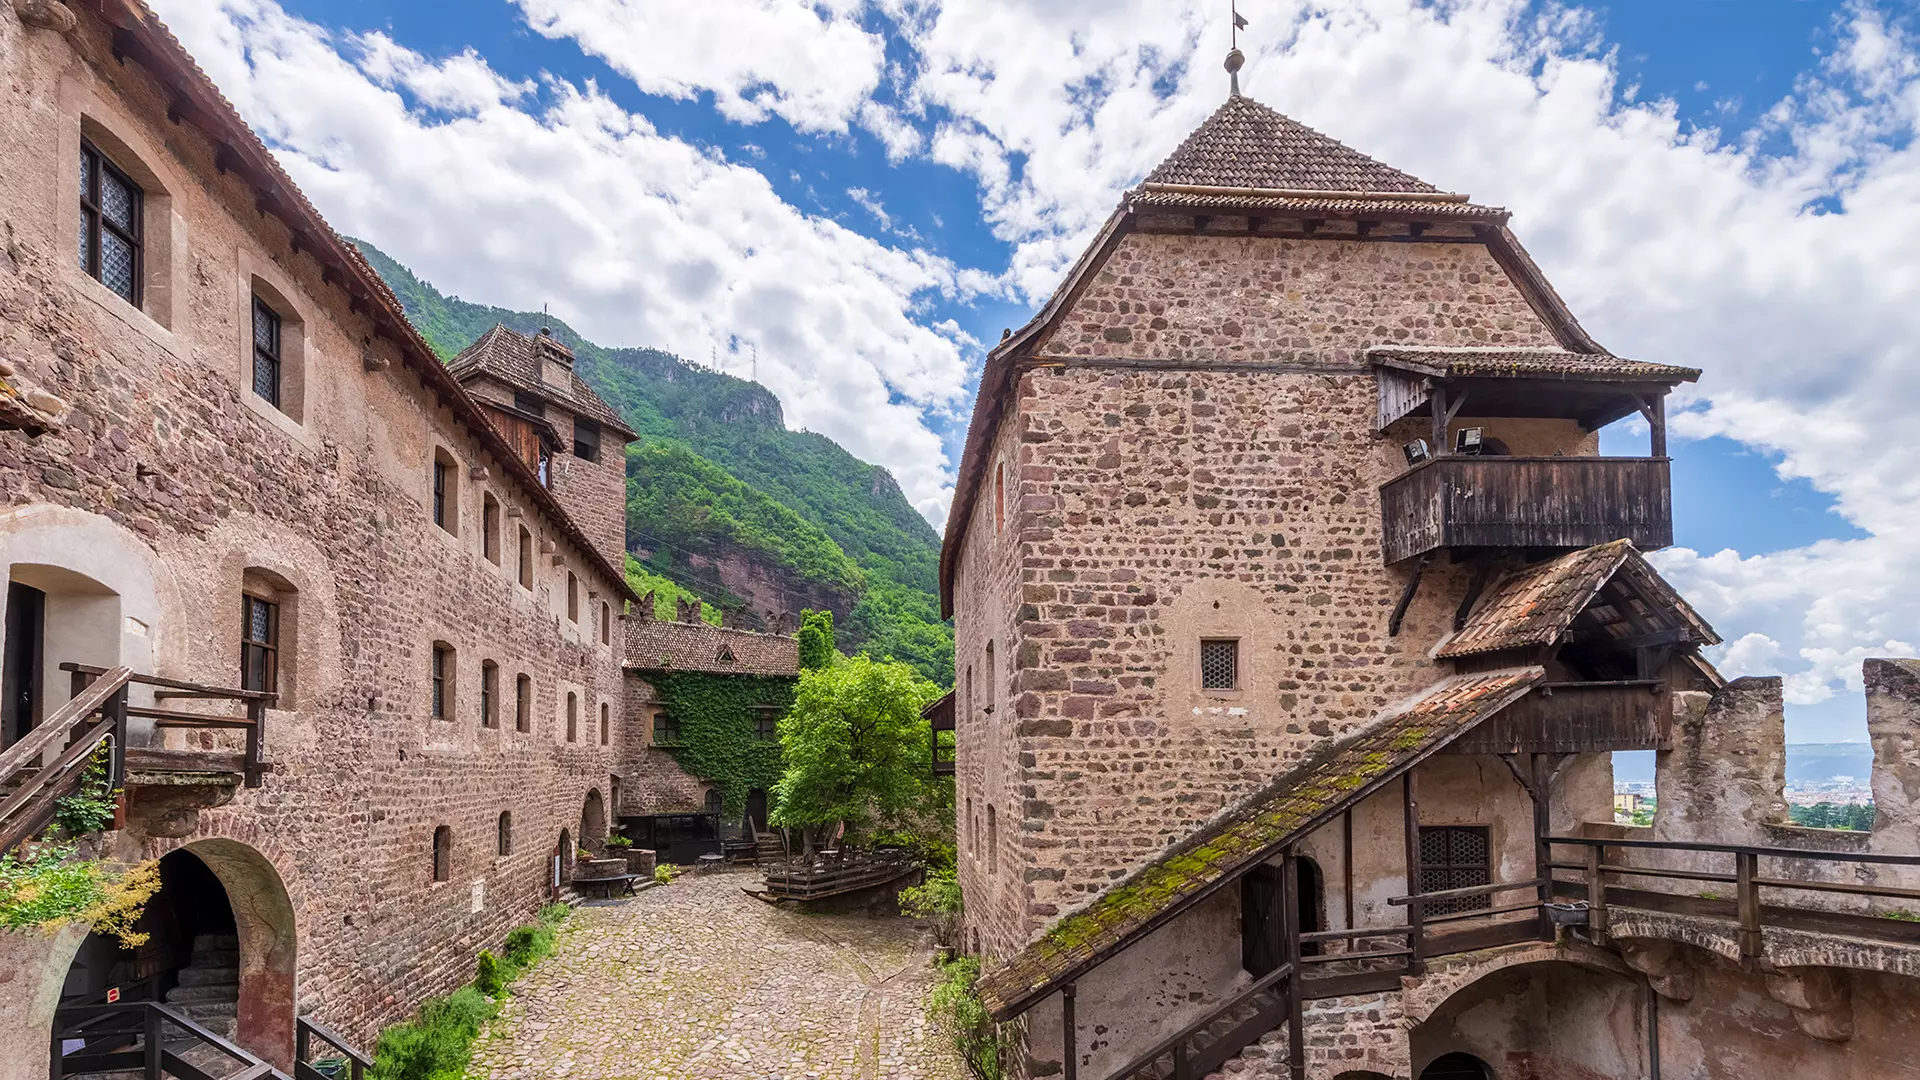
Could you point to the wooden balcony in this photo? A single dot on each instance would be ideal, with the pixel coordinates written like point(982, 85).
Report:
point(1526, 502)
point(1576, 718)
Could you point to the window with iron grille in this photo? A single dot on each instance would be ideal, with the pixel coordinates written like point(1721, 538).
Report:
point(1220, 664)
point(266, 353)
point(586, 440)
point(766, 721)
point(666, 729)
point(440, 471)
point(1455, 857)
point(110, 224)
point(259, 644)
point(441, 662)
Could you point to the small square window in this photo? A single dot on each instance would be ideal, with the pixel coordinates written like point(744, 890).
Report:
point(1220, 664)
point(666, 729)
point(766, 721)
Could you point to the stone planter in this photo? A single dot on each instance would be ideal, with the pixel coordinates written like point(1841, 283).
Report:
point(640, 861)
point(589, 869)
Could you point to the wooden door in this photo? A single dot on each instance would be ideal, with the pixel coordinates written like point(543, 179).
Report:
point(1261, 946)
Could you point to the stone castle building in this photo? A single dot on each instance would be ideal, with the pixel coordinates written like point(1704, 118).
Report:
point(1297, 616)
point(353, 617)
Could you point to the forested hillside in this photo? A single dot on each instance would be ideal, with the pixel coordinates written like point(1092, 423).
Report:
point(717, 473)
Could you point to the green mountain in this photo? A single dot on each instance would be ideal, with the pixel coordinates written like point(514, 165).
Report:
point(717, 475)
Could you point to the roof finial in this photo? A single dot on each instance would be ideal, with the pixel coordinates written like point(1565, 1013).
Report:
point(1235, 58)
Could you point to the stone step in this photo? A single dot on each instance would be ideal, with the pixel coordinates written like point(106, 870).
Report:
point(216, 941)
point(181, 995)
point(210, 976)
point(203, 1010)
point(215, 958)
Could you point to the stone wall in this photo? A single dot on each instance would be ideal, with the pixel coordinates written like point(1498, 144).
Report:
point(171, 483)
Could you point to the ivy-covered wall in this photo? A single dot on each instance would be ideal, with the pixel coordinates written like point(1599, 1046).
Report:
point(718, 740)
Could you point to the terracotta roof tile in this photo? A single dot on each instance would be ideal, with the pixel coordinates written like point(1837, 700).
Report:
point(1484, 363)
point(508, 355)
point(1249, 834)
point(1536, 605)
point(1245, 144)
point(657, 645)
point(1419, 209)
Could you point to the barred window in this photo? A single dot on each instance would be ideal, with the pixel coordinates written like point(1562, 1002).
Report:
point(259, 644)
point(442, 675)
point(266, 353)
point(1455, 857)
point(1220, 664)
point(110, 224)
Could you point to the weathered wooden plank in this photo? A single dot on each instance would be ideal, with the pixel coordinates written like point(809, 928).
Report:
point(1518, 502)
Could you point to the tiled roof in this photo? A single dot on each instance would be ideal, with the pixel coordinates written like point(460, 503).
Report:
point(139, 36)
point(508, 355)
point(1244, 144)
point(1536, 605)
point(657, 645)
point(1483, 363)
point(1249, 834)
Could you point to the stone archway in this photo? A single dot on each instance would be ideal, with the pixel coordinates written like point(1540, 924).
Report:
point(264, 923)
point(593, 822)
point(1541, 1016)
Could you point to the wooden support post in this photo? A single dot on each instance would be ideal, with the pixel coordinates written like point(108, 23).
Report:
point(1597, 894)
point(1746, 868)
point(256, 740)
point(1542, 791)
point(1296, 997)
point(1437, 401)
point(1416, 907)
point(1346, 863)
point(1071, 1062)
point(154, 1046)
point(1655, 410)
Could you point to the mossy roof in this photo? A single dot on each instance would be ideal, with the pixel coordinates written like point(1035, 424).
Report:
point(1300, 800)
point(1536, 605)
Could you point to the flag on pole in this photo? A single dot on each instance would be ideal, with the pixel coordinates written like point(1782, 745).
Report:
point(1239, 21)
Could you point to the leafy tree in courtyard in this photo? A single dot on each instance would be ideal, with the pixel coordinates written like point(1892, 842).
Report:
point(855, 747)
point(816, 639)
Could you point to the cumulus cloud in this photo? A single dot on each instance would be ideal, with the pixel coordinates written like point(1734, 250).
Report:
point(632, 236)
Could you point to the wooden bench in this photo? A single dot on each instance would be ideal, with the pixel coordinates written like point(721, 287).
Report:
point(606, 884)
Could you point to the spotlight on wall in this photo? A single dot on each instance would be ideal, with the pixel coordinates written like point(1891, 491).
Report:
point(1468, 441)
point(1416, 451)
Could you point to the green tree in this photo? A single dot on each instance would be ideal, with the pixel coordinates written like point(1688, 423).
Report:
point(855, 747)
point(816, 639)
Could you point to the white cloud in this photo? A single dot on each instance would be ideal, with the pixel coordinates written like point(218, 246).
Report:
point(809, 63)
point(633, 237)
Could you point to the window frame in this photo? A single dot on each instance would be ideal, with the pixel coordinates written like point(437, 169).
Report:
point(573, 597)
point(606, 725)
point(766, 721)
point(590, 445)
point(573, 716)
point(489, 694)
point(666, 728)
point(1452, 873)
point(503, 835)
point(606, 623)
point(523, 703)
point(442, 492)
point(94, 164)
point(441, 679)
point(1232, 644)
point(272, 354)
point(526, 559)
point(268, 650)
point(490, 527)
point(442, 854)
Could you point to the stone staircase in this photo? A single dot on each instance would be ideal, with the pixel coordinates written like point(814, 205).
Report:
point(1226, 1025)
point(209, 990)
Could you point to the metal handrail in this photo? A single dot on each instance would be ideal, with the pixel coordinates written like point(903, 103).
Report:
point(305, 1031)
point(1173, 1042)
point(153, 1058)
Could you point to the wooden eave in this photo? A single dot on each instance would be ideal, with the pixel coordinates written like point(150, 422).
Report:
point(193, 100)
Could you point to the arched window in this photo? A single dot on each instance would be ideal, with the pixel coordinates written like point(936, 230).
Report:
point(993, 842)
point(526, 558)
point(973, 831)
point(504, 842)
point(522, 703)
point(999, 496)
point(442, 853)
point(606, 623)
point(490, 528)
point(573, 597)
point(489, 694)
point(606, 725)
point(573, 716)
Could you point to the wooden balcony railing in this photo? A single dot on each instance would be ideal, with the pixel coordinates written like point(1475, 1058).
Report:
point(1577, 718)
point(1526, 502)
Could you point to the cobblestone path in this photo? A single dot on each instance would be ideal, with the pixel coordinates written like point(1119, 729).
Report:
point(697, 979)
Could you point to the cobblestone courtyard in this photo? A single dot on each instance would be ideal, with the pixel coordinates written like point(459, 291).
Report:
point(698, 979)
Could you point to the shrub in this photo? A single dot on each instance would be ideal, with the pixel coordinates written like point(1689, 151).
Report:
point(619, 842)
point(490, 979)
point(51, 889)
point(937, 900)
point(437, 1043)
point(956, 1010)
point(665, 873)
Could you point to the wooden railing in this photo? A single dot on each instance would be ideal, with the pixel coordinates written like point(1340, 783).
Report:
point(1744, 875)
point(833, 874)
point(1526, 502)
point(147, 1038)
point(97, 714)
point(1190, 1058)
point(344, 1063)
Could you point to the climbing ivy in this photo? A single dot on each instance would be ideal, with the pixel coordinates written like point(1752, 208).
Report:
point(718, 739)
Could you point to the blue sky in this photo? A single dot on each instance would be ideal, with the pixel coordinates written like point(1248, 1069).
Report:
point(863, 193)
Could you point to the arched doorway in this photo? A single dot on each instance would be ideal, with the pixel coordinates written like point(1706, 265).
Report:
point(220, 949)
point(1457, 1066)
point(1312, 904)
point(593, 821)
